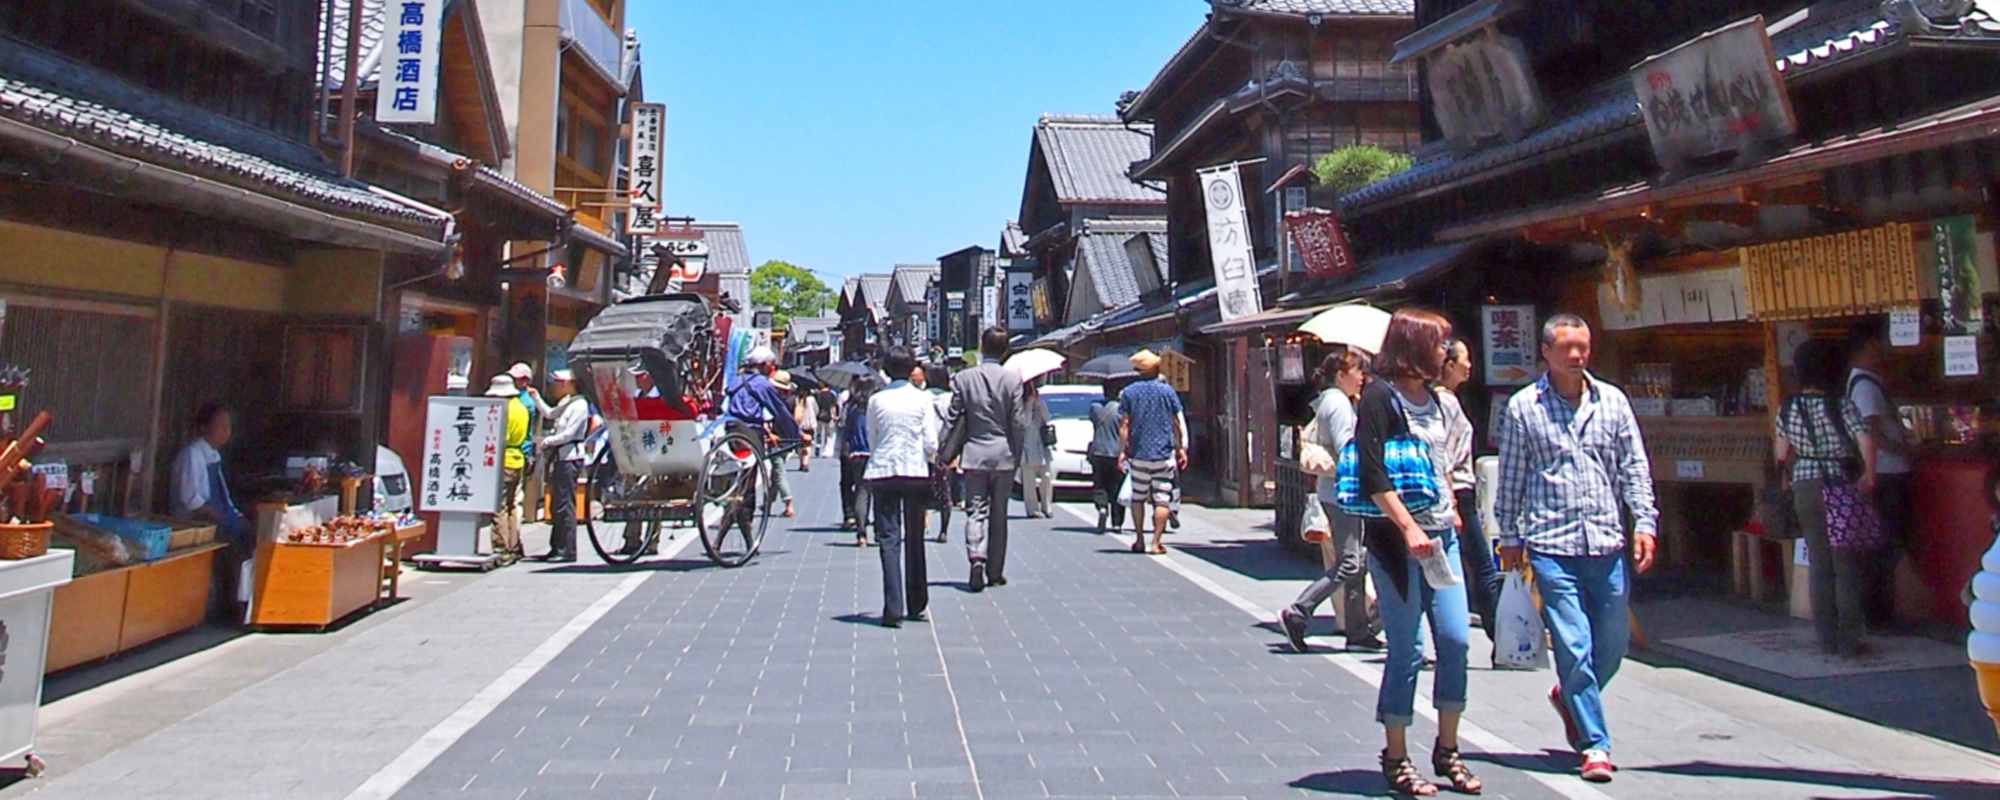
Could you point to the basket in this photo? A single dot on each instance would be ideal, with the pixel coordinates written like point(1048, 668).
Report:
point(24, 541)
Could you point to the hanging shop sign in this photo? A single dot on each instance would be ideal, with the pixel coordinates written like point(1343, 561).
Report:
point(1507, 344)
point(462, 454)
point(1044, 302)
point(1020, 302)
point(1956, 254)
point(1321, 243)
point(1867, 271)
point(1229, 243)
point(1483, 88)
point(411, 38)
point(648, 159)
point(1719, 93)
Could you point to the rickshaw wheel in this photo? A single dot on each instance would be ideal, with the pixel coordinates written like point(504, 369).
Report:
point(732, 495)
point(608, 538)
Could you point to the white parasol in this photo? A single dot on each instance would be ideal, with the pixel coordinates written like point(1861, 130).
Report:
point(1356, 325)
point(1032, 364)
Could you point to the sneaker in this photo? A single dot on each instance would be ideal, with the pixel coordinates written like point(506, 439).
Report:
point(1562, 710)
point(1370, 644)
point(978, 580)
point(1103, 516)
point(1294, 624)
point(1597, 766)
point(998, 580)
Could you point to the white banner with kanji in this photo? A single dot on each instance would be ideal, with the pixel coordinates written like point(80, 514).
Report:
point(412, 33)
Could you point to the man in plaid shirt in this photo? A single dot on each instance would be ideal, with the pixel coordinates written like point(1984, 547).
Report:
point(1570, 456)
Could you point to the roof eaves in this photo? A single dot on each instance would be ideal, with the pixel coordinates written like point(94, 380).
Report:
point(1201, 43)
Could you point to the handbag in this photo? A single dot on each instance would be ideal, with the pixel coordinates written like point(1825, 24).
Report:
point(1314, 527)
point(1314, 459)
point(1411, 472)
point(1851, 522)
point(1049, 435)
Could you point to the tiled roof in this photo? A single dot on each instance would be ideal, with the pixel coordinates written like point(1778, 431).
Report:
point(913, 279)
point(1101, 249)
point(334, 69)
point(1852, 30)
point(727, 254)
point(1087, 158)
point(875, 290)
point(847, 290)
point(1390, 274)
point(801, 327)
point(1328, 7)
point(143, 139)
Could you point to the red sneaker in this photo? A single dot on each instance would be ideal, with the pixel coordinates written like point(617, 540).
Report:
point(1597, 766)
point(1562, 709)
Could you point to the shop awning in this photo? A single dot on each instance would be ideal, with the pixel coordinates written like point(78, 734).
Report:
point(1967, 123)
point(589, 237)
point(1389, 274)
point(1275, 318)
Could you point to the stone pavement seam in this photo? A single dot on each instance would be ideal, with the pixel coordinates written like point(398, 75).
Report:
point(1372, 675)
point(397, 773)
point(957, 713)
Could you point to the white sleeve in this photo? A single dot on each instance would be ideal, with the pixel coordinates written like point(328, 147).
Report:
point(190, 481)
point(1867, 397)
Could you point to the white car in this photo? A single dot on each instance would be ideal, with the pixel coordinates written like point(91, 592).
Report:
point(1069, 410)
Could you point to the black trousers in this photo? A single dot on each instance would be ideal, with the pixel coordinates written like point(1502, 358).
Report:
point(1894, 503)
point(900, 505)
point(1107, 479)
point(562, 507)
point(850, 488)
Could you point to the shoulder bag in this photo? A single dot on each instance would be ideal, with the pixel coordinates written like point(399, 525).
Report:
point(1408, 461)
point(1851, 522)
point(1314, 458)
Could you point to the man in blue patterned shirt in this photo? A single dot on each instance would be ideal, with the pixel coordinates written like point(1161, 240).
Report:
point(1570, 457)
point(1155, 446)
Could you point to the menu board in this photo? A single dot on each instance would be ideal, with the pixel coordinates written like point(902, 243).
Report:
point(1840, 274)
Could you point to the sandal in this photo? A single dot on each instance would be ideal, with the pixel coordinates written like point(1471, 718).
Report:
point(1139, 546)
point(1449, 765)
point(1403, 778)
point(1158, 550)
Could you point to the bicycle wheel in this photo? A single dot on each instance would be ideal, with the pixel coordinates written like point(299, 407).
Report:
point(731, 497)
point(608, 538)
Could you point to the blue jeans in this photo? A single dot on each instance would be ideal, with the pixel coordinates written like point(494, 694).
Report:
point(1584, 603)
point(1402, 622)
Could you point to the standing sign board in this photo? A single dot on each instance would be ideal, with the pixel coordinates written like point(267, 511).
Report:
point(459, 477)
point(1229, 243)
point(1507, 344)
point(1719, 93)
point(649, 153)
point(411, 38)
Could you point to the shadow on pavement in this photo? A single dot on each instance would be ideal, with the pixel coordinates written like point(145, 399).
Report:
point(84, 677)
point(1363, 782)
point(1900, 787)
point(675, 565)
point(1262, 559)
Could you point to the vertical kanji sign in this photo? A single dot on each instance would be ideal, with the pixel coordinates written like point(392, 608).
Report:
point(1509, 343)
point(408, 89)
point(462, 454)
point(1229, 244)
point(649, 151)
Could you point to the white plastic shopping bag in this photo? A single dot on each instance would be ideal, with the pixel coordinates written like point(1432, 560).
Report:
point(1314, 526)
point(1125, 491)
point(1519, 639)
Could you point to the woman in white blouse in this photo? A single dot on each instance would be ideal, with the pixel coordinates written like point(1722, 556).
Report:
point(903, 440)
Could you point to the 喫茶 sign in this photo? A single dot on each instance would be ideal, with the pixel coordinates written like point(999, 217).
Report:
point(1718, 93)
point(1229, 245)
point(463, 444)
point(1507, 344)
point(411, 33)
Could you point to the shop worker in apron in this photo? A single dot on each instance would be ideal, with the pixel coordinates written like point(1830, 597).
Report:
point(201, 493)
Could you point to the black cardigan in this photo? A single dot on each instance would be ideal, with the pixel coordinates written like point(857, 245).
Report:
point(1377, 419)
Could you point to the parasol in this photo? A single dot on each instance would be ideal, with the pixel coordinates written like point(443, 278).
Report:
point(1356, 325)
point(1108, 367)
point(841, 374)
point(1035, 363)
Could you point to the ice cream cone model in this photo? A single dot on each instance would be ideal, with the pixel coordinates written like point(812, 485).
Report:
point(1983, 645)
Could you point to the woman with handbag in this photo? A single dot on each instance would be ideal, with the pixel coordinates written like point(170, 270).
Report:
point(1819, 434)
point(1038, 478)
point(1341, 375)
point(1399, 477)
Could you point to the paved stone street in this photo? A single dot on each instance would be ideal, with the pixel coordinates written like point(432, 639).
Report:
point(1095, 673)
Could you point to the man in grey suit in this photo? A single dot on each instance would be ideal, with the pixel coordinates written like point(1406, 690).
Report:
point(983, 435)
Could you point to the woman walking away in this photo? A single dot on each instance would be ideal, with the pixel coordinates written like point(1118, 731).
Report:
point(1038, 478)
point(805, 411)
point(852, 450)
point(1106, 475)
point(1819, 434)
point(903, 432)
point(1483, 593)
point(1341, 376)
point(1402, 430)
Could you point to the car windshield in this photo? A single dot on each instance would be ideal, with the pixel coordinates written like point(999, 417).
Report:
point(1070, 405)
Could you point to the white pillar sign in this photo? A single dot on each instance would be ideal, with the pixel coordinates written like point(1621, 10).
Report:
point(412, 31)
point(1229, 246)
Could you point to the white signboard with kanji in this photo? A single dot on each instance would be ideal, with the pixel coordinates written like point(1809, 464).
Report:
point(464, 440)
point(649, 154)
point(1507, 344)
point(412, 35)
point(1229, 244)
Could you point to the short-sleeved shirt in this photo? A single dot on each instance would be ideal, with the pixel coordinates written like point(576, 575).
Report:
point(1335, 416)
point(1865, 390)
point(1819, 450)
point(1150, 408)
point(518, 415)
point(1104, 416)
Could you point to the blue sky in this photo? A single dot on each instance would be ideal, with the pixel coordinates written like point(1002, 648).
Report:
point(847, 136)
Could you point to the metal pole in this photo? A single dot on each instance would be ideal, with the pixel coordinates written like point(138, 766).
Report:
point(350, 88)
point(320, 97)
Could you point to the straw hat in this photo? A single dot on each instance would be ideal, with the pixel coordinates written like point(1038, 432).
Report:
point(1146, 361)
point(782, 380)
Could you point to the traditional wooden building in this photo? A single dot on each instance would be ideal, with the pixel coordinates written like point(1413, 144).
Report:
point(908, 319)
point(1076, 172)
point(864, 315)
point(1269, 86)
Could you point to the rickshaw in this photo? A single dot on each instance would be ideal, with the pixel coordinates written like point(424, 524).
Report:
point(657, 367)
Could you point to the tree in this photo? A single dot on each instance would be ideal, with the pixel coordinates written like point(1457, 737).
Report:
point(789, 291)
point(1350, 168)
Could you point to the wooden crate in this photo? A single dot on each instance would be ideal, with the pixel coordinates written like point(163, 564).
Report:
point(167, 596)
point(83, 625)
point(301, 585)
